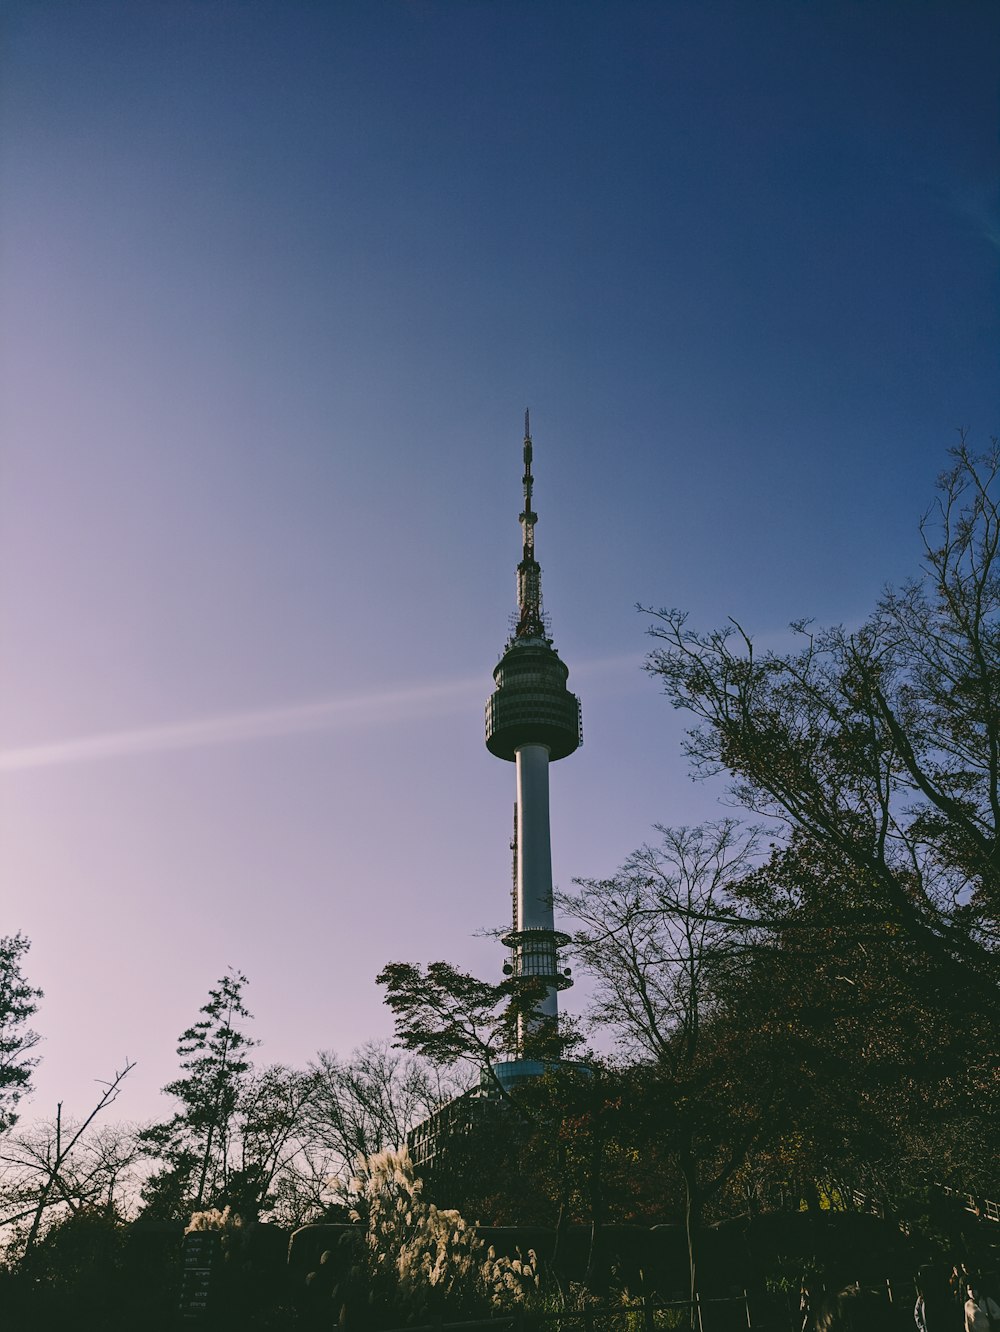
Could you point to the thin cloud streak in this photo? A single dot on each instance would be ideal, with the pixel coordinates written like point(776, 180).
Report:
point(266, 723)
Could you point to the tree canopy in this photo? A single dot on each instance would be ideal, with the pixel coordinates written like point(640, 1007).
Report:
point(879, 745)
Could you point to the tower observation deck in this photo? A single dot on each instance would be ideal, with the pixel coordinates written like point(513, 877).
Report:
point(532, 720)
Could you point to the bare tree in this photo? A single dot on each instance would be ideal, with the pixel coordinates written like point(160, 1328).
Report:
point(656, 940)
point(881, 745)
point(368, 1103)
point(270, 1122)
point(61, 1165)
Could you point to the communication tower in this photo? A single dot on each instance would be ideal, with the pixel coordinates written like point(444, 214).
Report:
point(533, 720)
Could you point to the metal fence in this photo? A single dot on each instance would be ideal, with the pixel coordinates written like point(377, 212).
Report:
point(636, 1316)
point(985, 1209)
point(747, 1312)
point(760, 1312)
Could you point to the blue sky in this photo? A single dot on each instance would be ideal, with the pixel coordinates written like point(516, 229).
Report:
point(277, 282)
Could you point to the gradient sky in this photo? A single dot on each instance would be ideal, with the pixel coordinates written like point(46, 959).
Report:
point(277, 281)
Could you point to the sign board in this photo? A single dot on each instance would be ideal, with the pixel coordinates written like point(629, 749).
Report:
point(202, 1257)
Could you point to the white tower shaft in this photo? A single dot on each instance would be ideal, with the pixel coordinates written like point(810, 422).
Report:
point(534, 870)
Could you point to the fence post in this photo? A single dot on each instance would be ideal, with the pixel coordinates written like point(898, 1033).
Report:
point(746, 1304)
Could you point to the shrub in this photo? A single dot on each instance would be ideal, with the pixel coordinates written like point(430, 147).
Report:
point(425, 1260)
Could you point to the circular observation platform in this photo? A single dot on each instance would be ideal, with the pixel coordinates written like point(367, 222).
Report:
point(512, 1073)
point(535, 956)
point(531, 704)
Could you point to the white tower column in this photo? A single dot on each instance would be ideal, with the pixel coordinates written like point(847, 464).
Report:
point(534, 868)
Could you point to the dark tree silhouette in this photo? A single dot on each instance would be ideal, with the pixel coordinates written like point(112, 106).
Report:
point(195, 1143)
point(18, 1004)
point(880, 745)
point(659, 940)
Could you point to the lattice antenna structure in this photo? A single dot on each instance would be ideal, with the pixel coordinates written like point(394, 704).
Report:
point(513, 873)
point(530, 623)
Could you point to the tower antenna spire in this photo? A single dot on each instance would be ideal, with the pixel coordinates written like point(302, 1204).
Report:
point(529, 573)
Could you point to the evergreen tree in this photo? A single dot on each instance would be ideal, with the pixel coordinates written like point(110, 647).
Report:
point(18, 1003)
point(195, 1144)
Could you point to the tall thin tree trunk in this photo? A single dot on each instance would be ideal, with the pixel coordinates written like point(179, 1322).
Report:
point(692, 1226)
point(200, 1196)
point(43, 1197)
point(595, 1187)
point(217, 1109)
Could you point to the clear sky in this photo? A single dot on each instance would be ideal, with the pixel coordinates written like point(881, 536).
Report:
point(277, 281)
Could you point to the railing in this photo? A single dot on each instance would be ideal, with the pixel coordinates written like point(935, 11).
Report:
point(754, 1312)
point(725, 1314)
point(983, 1208)
point(757, 1312)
